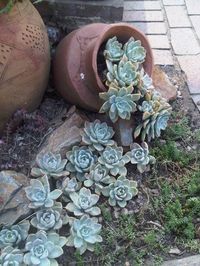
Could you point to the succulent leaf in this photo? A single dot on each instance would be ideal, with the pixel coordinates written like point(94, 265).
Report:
point(68, 185)
point(113, 50)
point(11, 256)
point(134, 51)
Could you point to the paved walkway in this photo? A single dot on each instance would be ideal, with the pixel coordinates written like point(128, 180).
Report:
point(173, 29)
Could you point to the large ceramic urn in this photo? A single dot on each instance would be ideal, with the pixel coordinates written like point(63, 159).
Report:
point(24, 60)
point(76, 66)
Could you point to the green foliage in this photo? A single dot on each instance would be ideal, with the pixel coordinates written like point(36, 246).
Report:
point(119, 102)
point(113, 50)
point(39, 193)
point(8, 7)
point(14, 235)
point(49, 164)
point(139, 155)
point(120, 192)
point(84, 234)
point(134, 51)
point(83, 203)
point(43, 248)
point(114, 160)
point(10, 256)
point(81, 159)
point(98, 135)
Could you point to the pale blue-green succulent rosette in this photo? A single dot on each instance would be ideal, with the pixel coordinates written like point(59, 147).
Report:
point(98, 135)
point(119, 103)
point(83, 202)
point(49, 164)
point(81, 159)
point(140, 156)
point(114, 160)
point(43, 248)
point(84, 233)
point(11, 257)
point(68, 186)
point(113, 50)
point(120, 192)
point(39, 193)
point(134, 51)
point(14, 235)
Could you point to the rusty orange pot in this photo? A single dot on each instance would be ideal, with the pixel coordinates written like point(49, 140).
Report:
point(76, 68)
point(24, 60)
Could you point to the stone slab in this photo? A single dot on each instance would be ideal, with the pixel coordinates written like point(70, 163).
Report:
point(173, 2)
point(149, 16)
point(193, 7)
point(184, 41)
point(196, 24)
point(162, 57)
point(151, 27)
point(142, 5)
point(177, 16)
point(196, 100)
point(158, 41)
point(191, 66)
point(189, 261)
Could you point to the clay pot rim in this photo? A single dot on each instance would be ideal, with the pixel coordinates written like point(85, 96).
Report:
point(100, 41)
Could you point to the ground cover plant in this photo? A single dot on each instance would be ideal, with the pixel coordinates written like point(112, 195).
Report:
point(123, 214)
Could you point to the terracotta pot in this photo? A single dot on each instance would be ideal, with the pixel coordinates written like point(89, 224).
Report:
point(24, 60)
point(76, 68)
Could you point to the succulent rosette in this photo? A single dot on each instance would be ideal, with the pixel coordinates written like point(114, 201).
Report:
point(83, 202)
point(134, 51)
point(98, 176)
point(98, 135)
point(84, 233)
point(119, 103)
point(113, 50)
point(11, 257)
point(49, 164)
point(39, 193)
point(124, 74)
point(13, 235)
point(81, 159)
point(43, 248)
point(120, 192)
point(139, 155)
point(68, 185)
point(48, 219)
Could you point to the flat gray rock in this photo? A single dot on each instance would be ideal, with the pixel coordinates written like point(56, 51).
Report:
point(189, 261)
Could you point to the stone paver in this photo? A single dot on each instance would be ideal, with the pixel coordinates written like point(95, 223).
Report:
point(159, 41)
point(193, 7)
point(162, 57)
point(151, 27)
point(189, 261)
point(184, 41)
point(143, 16)
point(191, 66)
point(142, 5)
point(173, 2)
point(196, 24)
point(177, 16)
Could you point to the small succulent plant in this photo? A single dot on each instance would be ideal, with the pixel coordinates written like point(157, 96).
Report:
point(84, 234)
point(134, 51)
point(83, 203)
point(98, 135)
point(113, 50)
point(13, 235)
point(48, 219)
point(119, 103)
point(114, 160)
point(43, 248)
point(11, 257)
point(98, 176)
point(81, 160)
point(145, 82)
point(49, 164)
point(120, 192)
point(39, 193)
point(156, 113)
point(123, 74)
point(68, 185)
point(139, 155)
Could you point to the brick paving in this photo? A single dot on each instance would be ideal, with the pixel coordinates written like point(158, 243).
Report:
point(173, 30)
